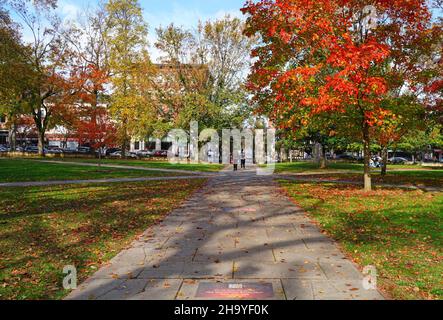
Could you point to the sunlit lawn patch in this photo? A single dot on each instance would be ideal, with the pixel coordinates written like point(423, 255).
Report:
point(154, 164)
point(418, 178)
point(310, 166)
point(43, 229)
point(400, 232)
point(17, 170)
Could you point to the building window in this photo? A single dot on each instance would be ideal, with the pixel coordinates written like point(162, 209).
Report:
point(2, 119)
point(137, 145)
point(3, 137)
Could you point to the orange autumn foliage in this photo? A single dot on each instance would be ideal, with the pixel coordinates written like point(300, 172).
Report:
point(318, 57)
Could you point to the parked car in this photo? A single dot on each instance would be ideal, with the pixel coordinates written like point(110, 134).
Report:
point(377, 158)
point(145, 153)
point(55, 150)
point(397, 160)
point(161, 153)
point(69, 150)
point(84, 150)
point(118, 154)
point(100, 152)
point(3, 149)
point(345, 157)
point(109, 151)
point(31, 149)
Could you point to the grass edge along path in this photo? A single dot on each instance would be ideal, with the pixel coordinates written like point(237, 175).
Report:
point(26, 170)
point(153, 164)
point(343, 167)
point(43, 229)
point(398, 231)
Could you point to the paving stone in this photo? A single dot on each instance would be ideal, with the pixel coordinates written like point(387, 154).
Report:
point(159, 289)
point(216, 244)
point(222, 269)
point(259, 253)
point(119, 271)
point(301, 255)
point(170, 255)
point(133, 256)
point(189, 244)
point(295, 257)
point(246, 269)
point(289, 246)
point(93, 288)
point(212, 258)
point(163, 270)
point(298, 289)
point(343, 290)
point(340, 270)
point(126, 290)
point(320, 244)
point(252, 244)
point(280, 233)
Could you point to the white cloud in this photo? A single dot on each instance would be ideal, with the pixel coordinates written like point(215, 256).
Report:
point(233, 13)
point(68, 12)
point(183, 17)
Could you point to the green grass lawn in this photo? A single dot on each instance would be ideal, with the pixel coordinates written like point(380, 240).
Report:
point(426, 178)
point(308, 166)
point(17, 170)
point(398, 174)
point(419, 178)
point(153, 164)
point(43, 229)
point(400, 232)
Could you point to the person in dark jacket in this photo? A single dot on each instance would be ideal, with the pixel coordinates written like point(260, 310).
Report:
point(234, 162)
point(243, 159)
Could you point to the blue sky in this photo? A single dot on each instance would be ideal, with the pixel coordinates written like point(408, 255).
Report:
point(157, 13)
point(163, 12)
point(184, 13)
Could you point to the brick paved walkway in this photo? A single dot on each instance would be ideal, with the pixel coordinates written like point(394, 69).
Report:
point(238, 229)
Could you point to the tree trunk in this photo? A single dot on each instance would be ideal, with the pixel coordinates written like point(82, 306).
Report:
point(158, 144)
point(13, 137)
point(323, 160)
point(41, 123)
point(367, 154)
point(124, 147)
point(384, 155)
point(41, 143)
point(124, 138)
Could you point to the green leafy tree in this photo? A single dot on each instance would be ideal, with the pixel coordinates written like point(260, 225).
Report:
point(13, 68)
point(46, 93)
point(208, 69)
point(127, 39)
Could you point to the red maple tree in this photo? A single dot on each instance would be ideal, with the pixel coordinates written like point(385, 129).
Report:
point(328, 57)
point(97, 129)
point(93, 124)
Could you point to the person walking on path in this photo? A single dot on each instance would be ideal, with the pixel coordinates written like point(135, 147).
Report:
point(210, 156)
point(243, 159)
point(234, 161)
